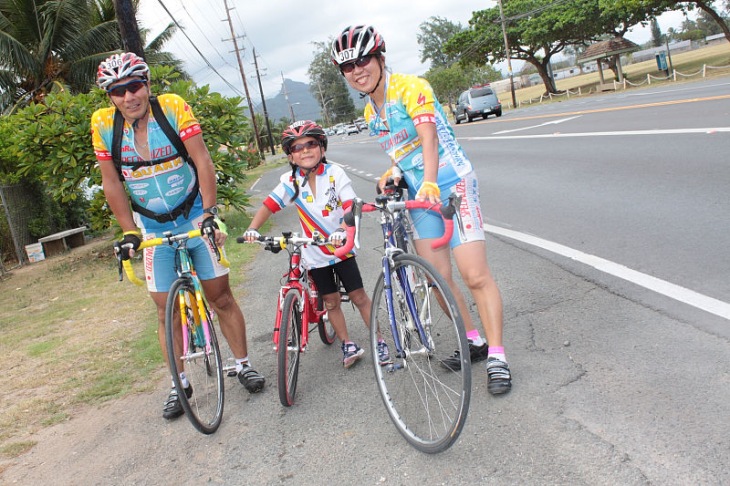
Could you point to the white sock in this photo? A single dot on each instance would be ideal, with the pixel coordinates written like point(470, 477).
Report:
point(241, 362)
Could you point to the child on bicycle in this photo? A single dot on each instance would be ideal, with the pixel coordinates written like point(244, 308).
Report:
point(322, 193)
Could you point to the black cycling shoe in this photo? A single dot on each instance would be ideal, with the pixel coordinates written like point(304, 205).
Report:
point(476, 354)
point(173, 408)
point(251, 379)
point(499, 378)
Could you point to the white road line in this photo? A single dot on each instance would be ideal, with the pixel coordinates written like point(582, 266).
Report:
point(675, 131)
point(681, 294)
point(553, 122)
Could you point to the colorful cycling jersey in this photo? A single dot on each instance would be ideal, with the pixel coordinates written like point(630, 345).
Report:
point(409, 101)
point(160, 187)
point(323, 212)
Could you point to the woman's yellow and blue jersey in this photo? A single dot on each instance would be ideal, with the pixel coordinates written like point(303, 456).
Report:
point(409, 101)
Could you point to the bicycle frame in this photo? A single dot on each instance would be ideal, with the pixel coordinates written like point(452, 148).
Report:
point(392, 214)
point(191, 342)
point(297, 279)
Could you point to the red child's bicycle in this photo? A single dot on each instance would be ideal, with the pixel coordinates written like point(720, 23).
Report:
point(299, 310)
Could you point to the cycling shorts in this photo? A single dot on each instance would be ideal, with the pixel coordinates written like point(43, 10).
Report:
point(428, 224)
point(347, 270)
point(159, 261)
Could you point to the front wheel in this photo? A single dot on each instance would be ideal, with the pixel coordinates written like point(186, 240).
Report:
point(427, 401)
point(289, 347)
point(189, 350)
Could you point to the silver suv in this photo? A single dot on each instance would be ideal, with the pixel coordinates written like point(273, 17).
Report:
point(478, 101)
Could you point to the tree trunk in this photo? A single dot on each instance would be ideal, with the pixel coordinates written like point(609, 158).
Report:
point(127, 20)
point(544, 75)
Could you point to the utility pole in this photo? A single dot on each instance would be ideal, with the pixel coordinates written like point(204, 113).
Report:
point(286, 97)
point(509, 60)
point(263, 102)
point(243, 77)
point(128, 27)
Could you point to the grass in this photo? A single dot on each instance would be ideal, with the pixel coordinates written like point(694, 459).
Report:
point(73, 336)
point(687, 63)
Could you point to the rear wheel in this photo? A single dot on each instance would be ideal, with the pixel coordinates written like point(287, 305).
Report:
point(427, 401)
point(289, 348)
point(200, 358)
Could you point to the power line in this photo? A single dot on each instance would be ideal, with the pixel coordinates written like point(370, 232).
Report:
point(198, 50)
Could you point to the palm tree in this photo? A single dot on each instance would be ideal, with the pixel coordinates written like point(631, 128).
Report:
point(47, 43)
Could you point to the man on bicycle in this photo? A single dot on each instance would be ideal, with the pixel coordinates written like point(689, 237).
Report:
point(167, 192)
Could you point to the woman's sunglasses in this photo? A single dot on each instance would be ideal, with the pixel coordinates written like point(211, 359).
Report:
point(298, 147)
point(132, 86)
point(348, 67)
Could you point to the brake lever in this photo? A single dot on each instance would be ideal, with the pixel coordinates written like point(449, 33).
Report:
point(455, 203)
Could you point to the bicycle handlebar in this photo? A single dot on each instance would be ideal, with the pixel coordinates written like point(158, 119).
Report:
point(167, 239)
point(352, 219)
point(275, 244)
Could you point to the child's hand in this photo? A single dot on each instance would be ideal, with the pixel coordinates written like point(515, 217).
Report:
point(251, 235)
point(337, 238)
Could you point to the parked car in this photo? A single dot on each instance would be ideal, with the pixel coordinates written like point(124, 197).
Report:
point(478, 101)
point(351, 129)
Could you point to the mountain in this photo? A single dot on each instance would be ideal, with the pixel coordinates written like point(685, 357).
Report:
point(295, 96)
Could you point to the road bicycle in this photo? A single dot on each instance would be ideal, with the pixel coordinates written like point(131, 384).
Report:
point(427, 401)
point(192, 344)
point(299, 309)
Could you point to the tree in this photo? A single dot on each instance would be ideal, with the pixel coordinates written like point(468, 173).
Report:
point(432, 37)
point(657, 39)
point(45, 42)
point(536, 31)
point(328, 86)
point(449, 82)
point(712, 8)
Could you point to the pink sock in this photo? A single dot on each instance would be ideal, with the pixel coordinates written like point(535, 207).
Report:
point(497, 352)
point(473, 334)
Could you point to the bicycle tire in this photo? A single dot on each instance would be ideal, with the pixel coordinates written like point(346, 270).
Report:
point(203, 369)
point(289, 348)
point(326, 331)
point(427, 402)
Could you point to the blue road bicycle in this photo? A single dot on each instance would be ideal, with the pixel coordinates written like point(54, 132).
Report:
point(420, 322)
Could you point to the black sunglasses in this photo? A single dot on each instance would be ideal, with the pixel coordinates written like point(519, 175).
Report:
point(132, 86)
point(348, 67)
point(298, 147)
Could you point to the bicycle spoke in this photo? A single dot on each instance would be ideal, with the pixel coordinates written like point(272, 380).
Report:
point(427, 402)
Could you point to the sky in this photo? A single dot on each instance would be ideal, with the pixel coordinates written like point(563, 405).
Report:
point(282, 33)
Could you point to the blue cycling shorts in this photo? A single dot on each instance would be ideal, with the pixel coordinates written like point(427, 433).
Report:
point(159, 261)
point(428, 224)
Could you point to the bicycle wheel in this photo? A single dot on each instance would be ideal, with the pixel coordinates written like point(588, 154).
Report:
point(326, 331)
point(200, 362)
point(289, 347)
point(427, 402)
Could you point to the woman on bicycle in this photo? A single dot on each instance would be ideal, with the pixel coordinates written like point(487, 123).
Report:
point(168, 192)
point(412, 128)
point(321, 192)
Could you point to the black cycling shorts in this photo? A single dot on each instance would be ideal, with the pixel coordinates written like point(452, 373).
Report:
point(347, 270)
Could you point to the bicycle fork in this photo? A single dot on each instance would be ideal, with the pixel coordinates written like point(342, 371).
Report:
point(403, 331)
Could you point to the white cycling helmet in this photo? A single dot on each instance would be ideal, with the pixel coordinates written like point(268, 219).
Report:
point(120, 66)
point(355, 42)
